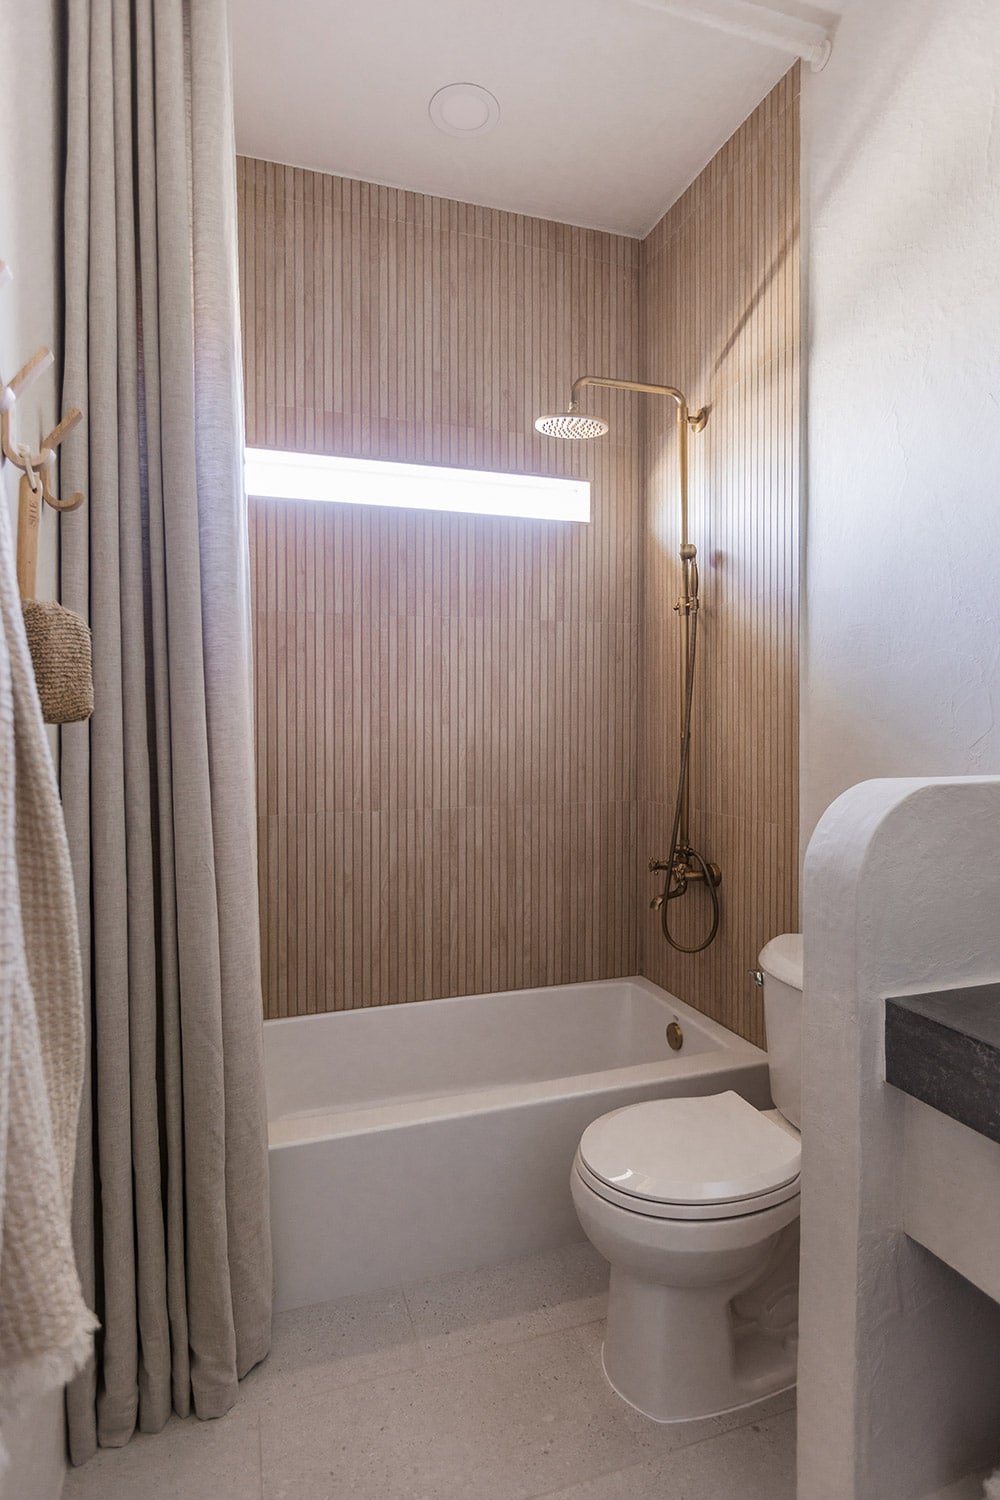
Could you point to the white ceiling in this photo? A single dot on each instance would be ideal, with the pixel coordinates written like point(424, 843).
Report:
point(609, 108)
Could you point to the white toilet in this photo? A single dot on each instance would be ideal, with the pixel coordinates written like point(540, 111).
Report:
point(695, 1204)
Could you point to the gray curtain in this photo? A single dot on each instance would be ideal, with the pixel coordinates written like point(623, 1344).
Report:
point(171, 1202)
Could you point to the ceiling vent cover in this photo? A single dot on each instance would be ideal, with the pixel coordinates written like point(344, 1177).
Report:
point(464, 109)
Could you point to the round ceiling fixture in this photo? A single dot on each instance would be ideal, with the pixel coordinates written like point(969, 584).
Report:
point(464, 109)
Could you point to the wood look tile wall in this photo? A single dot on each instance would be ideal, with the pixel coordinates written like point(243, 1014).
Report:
point(720, 317)
point(467, 727)
point(446, 705)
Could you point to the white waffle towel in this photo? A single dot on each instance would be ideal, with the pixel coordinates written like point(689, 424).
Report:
point(46, 1328)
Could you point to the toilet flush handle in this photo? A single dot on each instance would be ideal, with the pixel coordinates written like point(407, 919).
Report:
point(757, 975)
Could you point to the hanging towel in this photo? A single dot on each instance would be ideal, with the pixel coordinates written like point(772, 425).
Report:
point(45, 1326)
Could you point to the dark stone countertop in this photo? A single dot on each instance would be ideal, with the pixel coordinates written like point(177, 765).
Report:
point(944, 1049)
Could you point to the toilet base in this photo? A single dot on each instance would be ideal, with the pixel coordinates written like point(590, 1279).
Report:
point(723, 1411)
point(679, 1354)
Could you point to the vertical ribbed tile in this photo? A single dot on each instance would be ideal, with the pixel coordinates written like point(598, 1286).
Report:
point(466, 727)
point(446, 706)
point(720, 317)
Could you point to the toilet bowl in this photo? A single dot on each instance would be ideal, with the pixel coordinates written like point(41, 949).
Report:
point(695, 1204)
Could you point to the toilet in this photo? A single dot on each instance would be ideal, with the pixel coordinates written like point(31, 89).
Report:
point(695, 1205)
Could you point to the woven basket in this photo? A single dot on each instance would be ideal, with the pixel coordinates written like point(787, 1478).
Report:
point(59, 642)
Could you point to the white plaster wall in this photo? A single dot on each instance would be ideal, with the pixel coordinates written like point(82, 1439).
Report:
point(30, 241)
point(31, 151)
point(36, 1448)
point(899, 1380)
point(901, 633)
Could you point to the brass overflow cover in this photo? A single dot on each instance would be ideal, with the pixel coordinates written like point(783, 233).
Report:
point(675, 1036)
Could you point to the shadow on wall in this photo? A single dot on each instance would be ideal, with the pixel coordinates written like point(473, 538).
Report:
point(789, 246)
point(901, 144)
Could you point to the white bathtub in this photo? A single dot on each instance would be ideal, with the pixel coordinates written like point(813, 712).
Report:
point(413, 1140)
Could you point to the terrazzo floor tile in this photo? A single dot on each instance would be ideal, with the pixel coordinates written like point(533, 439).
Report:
point(334, 1343)
point(749, 1463)
point(483, 1309)
point(188, 1460)
point(483, 1386)
point(969, 1488)
point(499, 1425)
point(773, 1406)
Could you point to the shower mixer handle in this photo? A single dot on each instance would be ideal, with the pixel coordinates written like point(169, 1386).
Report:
point(682, 869)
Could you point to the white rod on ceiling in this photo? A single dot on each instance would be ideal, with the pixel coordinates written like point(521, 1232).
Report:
point(755, 23)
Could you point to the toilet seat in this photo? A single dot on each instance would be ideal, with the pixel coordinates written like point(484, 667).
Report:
point(714, 1157)
point(705, 1212)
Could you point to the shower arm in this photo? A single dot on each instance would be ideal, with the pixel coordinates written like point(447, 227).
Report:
point(687, 421)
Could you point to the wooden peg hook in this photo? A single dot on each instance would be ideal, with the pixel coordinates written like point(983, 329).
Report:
point(47, 459)
point(39, 361)
point(44, 460)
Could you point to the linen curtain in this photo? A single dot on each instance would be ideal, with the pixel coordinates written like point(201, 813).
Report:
point(171, 1215)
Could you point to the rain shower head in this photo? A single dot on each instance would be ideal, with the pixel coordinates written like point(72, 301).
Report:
point(571, 424)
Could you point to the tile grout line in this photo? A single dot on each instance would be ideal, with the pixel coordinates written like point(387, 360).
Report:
point(657, 1459)
point(426, 1360)
point(417, 1341)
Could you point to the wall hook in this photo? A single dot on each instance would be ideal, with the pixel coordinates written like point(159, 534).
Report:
point(39, 361)
point(47, 459)
point(18, 453)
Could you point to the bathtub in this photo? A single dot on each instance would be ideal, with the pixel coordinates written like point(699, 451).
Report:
point(410, 1141)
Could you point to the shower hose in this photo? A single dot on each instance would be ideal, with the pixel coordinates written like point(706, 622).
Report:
point(682, 852)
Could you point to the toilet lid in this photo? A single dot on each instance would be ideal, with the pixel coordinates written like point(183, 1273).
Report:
point(711, 1150)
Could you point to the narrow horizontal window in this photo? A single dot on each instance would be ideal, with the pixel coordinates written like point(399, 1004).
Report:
point(272, 475)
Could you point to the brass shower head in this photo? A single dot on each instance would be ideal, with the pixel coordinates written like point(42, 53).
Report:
point(571, 424)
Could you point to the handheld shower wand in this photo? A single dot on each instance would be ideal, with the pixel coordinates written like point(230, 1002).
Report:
point(684, 866)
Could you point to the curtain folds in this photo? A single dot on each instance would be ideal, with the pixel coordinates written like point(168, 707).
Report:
point(171, 1215)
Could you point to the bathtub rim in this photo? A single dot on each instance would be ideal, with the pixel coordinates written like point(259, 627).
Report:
point(287, 1132)
point(714, 1028)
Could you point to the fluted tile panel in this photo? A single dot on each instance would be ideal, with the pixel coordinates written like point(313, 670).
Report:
point(467, 727)
point(720, 317)
point(446, 706)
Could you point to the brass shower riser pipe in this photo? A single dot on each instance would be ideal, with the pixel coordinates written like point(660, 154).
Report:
point(687, 604)
point(685, 864)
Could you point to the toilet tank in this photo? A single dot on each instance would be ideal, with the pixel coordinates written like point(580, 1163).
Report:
point(781, 965)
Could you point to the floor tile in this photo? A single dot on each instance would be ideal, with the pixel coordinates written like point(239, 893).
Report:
point(334, 1343)
point(748, 1463)
point(502, 1304)
point(484, 1386)
point(773, 1406)
point(188, 1460)
point(505, 1424)
point(969, 1488)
